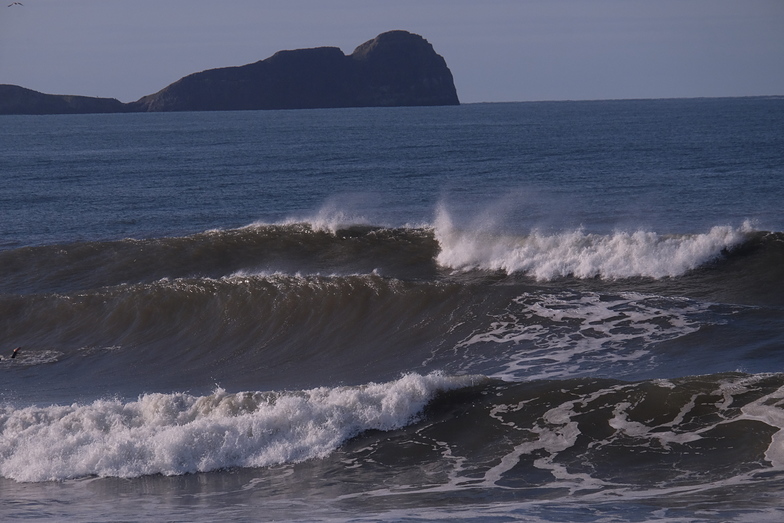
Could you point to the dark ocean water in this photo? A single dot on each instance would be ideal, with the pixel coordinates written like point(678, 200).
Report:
point(564, 311)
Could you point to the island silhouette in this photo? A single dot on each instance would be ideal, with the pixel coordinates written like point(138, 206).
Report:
point(396, 68)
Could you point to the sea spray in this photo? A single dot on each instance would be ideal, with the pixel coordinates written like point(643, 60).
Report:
point(580, 254)
point(174, 434)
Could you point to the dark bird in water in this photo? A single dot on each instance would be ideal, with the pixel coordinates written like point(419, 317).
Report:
point(15, 351)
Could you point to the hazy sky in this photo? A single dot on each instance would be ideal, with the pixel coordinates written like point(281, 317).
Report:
point(505, 50)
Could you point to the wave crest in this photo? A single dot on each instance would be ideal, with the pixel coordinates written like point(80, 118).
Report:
point(580, 254)
point(174, 434)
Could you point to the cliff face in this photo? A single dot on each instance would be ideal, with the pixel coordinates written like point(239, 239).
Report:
point(401, 68)
point(18, 100)
point(394, 69)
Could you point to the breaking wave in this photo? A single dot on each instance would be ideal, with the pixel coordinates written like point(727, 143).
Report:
point(582, 255)
point(173, 434)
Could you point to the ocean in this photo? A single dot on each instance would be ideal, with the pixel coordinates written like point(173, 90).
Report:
point(549, 311)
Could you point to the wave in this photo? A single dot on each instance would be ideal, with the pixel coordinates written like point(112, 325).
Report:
point(330, 247)
point(282, 330)
point(438, 433)
point(233, 309)
point(234, 320)
point(582, 255)
point(590, 439)
point(295, 248)
point(247, 331)
point(173, 434)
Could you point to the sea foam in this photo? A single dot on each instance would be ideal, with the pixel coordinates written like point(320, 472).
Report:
point(580, 254)
point(174, 434)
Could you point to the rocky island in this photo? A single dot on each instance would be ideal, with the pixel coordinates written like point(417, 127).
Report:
point(18, 100)
point(397, 68)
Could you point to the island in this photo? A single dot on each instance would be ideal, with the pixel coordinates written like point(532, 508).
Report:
point(18, 100)
point(396, 68)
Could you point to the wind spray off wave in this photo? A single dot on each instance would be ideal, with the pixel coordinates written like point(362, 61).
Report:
point(580, 254)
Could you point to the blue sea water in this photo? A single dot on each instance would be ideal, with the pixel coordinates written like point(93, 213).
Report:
point(552, 311)
point(683, 165)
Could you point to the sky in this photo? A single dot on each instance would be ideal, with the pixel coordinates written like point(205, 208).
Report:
point(497, 50)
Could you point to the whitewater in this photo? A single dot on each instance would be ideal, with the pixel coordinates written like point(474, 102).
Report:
point(576, 253)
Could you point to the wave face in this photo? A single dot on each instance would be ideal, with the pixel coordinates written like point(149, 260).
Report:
point(299, 248)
